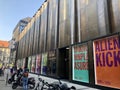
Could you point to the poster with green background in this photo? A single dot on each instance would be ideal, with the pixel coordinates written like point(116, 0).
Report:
point(80, 63)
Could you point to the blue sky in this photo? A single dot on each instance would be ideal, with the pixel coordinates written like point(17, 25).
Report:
point(11, 11)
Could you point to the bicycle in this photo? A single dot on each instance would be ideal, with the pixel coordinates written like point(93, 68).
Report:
point(39, 84)
point(52, 86)
point(62, 86)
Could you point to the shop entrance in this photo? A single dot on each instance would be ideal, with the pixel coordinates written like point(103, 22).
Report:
point(64, 63)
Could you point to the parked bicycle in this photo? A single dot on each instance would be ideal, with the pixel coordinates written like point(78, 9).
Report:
point(58, 85)
point(62, 86)
point(40, 85)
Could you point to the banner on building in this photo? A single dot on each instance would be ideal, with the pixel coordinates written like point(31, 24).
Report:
point(107, 61)
point(33, 64)
point(38, 64)
point(29, 62)
point(44, 64)
point(23, 63)
point(80, 63)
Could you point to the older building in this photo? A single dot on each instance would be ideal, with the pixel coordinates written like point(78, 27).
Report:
point(4, 52)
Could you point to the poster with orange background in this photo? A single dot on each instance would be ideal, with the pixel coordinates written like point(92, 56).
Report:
point(107, 61)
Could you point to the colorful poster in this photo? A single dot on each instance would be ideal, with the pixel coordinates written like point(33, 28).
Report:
point(80, 63)
point(107, 61)
point(23, 63)
point(33, 64)
point(38, 64)
point(29, 63)
point(44, 64)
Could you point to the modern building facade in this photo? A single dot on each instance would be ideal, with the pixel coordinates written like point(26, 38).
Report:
point(15, 37)
point(4, 53)
point(78, 40)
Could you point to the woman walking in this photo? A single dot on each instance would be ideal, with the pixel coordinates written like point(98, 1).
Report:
point(6, 74)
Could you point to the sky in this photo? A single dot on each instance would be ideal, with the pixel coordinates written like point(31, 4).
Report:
point(12, 11)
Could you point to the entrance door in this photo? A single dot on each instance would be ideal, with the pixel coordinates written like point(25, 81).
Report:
point(64, 63)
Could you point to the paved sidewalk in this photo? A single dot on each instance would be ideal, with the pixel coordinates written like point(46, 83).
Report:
point(3, 86)
point(50, 80)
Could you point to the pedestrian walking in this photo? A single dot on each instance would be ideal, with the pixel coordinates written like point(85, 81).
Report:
point(6, 74)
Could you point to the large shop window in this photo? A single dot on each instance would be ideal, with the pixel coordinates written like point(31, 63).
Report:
point(51, 70)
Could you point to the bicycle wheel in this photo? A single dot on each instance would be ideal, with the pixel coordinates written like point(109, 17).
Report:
point(41, 86)
point(37, 87)
point(9, 81)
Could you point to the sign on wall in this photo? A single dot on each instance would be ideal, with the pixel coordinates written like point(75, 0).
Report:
point(107, 61)
point(80, 63)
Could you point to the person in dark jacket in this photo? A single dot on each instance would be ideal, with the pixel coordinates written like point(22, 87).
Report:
point(25, 79)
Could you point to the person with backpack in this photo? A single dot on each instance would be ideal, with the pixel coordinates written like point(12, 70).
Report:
point(25, 79)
